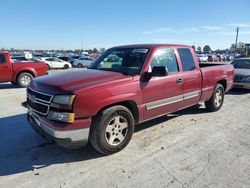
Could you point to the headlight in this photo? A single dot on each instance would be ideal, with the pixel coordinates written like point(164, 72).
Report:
point(64, 99)
point(62, 116)
point(247, 79)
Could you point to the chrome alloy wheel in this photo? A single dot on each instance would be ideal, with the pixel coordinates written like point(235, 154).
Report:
point(218, 98)
point(25, 80)
point(116, 130)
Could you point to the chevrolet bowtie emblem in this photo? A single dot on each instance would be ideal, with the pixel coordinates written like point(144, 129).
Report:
point(33, 98)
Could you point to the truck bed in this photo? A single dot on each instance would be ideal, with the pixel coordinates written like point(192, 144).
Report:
point(213, 73)
point(202, 65)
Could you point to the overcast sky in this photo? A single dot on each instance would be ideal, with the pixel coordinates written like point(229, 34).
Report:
point(60, 24)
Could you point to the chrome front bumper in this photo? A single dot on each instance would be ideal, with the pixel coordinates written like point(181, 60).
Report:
point(68, 138)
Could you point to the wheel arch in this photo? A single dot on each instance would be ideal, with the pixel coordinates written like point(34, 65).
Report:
point(131, 105)
point(223, 83)
point(24, 71)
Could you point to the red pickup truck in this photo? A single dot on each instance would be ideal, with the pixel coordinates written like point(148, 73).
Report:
point(127, 85)
point(20, 73)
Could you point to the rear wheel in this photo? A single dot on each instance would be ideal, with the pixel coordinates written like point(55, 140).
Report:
point(79, 65)
point(24, 79)
point(112, 130)
point(66, 66)
point(216, 100)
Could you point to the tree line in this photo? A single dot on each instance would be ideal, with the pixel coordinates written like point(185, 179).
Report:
point(240, 48)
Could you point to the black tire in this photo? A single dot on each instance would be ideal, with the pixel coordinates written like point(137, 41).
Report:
point(79, 65)
point(217, 99)
point(99, 134)
point(24, 79)
point(47, 67)
point(66, 66)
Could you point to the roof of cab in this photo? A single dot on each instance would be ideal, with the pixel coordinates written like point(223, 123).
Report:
point(152, 46)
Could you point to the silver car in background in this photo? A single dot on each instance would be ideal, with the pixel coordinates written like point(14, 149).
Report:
point(242, 73)
point(84, 61)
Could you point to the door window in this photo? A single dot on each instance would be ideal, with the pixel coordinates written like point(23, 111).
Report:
point(2, 59)
point(187, 59)
point(164, 57)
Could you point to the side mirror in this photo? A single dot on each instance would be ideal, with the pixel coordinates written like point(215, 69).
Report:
point(146, 77)
point(159, 71)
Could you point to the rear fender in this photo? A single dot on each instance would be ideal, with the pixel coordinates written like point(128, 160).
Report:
point(28, 70)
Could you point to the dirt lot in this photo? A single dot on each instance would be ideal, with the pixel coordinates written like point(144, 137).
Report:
point(191, 148)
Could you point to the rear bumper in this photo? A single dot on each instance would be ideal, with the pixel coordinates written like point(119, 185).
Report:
point(65, 138)
point(243, 85)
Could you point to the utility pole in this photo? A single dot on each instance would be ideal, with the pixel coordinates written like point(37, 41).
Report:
point(81, 42)
point(236, 40)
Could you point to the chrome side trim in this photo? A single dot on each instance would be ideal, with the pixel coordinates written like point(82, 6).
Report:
point(191, 95)
point(171, 100)
point(163, 102)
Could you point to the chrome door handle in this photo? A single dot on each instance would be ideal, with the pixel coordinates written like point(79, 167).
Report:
point(179, 81)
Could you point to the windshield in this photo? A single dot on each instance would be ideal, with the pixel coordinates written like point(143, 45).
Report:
point(128, 61)
point(242, 64)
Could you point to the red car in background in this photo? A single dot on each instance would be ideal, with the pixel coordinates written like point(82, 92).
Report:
point(19, 73)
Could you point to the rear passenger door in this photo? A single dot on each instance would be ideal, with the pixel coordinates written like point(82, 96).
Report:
point(190, 77)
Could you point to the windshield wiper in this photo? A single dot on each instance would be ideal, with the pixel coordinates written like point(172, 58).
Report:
point(111, 70)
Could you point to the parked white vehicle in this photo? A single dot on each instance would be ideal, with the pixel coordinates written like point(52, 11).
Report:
point(202, 57)
point(83, 61)
point(55, 63)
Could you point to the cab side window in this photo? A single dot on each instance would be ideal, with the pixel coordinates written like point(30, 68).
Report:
point(187, 59)
point(2, 59)
point(166, 58)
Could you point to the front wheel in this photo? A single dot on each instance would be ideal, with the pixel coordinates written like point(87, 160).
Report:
point(24, 79)
point(217, 99)
point(79, 65)
point(112, 130)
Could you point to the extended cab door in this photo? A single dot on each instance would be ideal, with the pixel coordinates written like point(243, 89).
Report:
point(162, 94)
point(5, 69)
point(190, 77)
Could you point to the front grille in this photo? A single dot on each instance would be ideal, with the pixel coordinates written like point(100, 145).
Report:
point(239, 78)
point(38, 107)
point(41, 96)
point(38, 101)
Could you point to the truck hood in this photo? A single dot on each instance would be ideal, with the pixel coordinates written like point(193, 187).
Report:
point(76, 81)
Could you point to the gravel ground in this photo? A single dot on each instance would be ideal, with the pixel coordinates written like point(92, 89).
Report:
point(191, 148)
